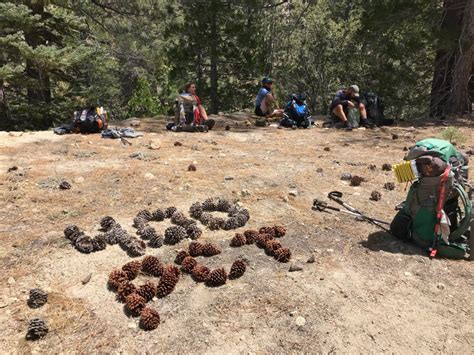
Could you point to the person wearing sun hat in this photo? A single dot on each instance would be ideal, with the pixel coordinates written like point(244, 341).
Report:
point(266, 99)
point(345, 99)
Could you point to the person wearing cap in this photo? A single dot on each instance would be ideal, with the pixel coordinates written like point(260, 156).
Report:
point(265, 100)
point(343, 100)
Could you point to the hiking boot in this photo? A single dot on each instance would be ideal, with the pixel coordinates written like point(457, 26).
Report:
point(294, 126)
point(366, 123)
point(347, 126)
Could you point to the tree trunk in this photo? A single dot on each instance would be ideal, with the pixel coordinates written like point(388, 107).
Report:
point(454, 63)
point(40, 91)
point(214, 54)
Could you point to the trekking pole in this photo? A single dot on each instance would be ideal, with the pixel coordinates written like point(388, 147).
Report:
point(321, 206)
point(439, 212)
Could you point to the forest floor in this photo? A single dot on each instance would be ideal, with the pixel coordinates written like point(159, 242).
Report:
point(366, 292)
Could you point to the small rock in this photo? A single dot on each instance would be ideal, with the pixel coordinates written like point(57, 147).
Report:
point(394, 136)
point(227, 128)
point(228, 178)
point(311, 259)
point(319, 170)
point(294, 268)
point(137, 155)
point(154, 144)
point(346, 176)
point(11, 281)
point(441, 286)
point(220, 113)
point(245, 193)
point(178, 144)
point(65, 185)
point(86, 279)
point(13, 168)
point(79, 180)
point(132, 325)
point(293, 313)
point(407, 273)
point(192, 167)
point(134, 123)
point(285, 198)
point(300, 321)
point(194, 147)
point(330, 250)
point(293, 192)
point(149, 176)
point(327, 149)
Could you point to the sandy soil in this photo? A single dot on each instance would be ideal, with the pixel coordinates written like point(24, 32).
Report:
point(366, 292)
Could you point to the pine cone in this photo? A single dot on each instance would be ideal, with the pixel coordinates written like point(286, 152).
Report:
point(151, 265)
point(135, 303)
point(140, 222)
point(188, 222)
point(178, 218)
point(356, 180)
point(231, 223)
point(262, 240)
point(206, 218)
point(195, 248)
point(168, 281)
point(174, 235)
point(238, 240)
point(132, 269)
point(37, 298)
point(193, 231)
point(147, 232)
point(215, 223)
point(114, 234)
point(170, 211)
point(195, 210)
point(188, 264)
point(125, 289)
point(116, 278)
point(84, 244)
point(279, 231)
point(37, 328)
point(145, 214)
point(216, 277)
point(210, 249)
point(71, 232)
point(180, 256)
point(200, 273)
point(149, 319)
point(147, 291)
point(271, 246)
point(251, 236)
point(209, 204)
point(155, 241)
point(267, 230)
point(237, 269)
point(136, 247)
point(283, 255)
point(241, 220)
point(159, 215)
point(223, 205)
point(106, 223)
point(99, 242)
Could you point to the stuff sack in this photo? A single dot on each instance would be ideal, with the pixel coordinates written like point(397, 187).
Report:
point(375, 110)
point(91, 120)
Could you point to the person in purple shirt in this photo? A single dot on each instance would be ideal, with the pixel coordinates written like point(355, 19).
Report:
point(343, 100)
point(265, 100)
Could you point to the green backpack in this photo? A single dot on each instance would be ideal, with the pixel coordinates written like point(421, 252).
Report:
point(418, 218)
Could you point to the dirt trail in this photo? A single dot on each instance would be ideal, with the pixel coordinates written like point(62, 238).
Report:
point(366, 292)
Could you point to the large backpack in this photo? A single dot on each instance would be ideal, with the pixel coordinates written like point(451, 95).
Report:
point(91, 120)
point(375, 110)
point(442, 174)
point(297, 110)
point(185, 107)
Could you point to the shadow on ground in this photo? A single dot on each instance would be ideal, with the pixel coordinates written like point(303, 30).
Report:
point(383, 241)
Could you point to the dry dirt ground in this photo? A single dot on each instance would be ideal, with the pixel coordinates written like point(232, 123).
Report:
point(366, 292)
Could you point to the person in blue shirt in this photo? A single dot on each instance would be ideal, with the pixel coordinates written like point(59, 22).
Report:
point(265, 100)
point(344, 99)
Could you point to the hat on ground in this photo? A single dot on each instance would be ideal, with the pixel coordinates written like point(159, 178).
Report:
point(267, 80)
point(354, 88)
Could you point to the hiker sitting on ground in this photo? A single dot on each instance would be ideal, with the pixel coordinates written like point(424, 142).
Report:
point(345, 99)
point(189, 112)
point(265, 100)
